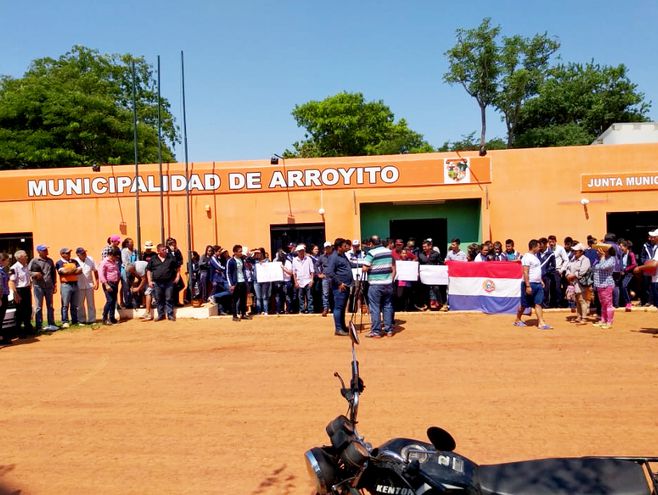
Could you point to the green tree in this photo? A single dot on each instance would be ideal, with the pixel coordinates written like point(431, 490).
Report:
point(474, 64)
point(469, 142)
point(502, 74)
point(347, 125)
point(576, 103)
point(77, 110)
point(524, 64)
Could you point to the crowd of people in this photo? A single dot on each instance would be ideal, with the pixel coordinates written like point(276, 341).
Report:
point(337, 277)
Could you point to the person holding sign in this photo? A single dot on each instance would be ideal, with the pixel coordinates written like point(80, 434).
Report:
point(380, 267)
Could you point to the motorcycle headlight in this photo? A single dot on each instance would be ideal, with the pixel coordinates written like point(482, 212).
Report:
point(322, 469)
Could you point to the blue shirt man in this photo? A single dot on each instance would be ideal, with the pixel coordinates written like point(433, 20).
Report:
point(339, 274)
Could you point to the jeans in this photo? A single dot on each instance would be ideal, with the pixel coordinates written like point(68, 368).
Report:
point(624, 296)
point(164, 295)
point(305, 294)
point(282, 297)
point(69, 293)
point(40, 294)
point(381, 301)
point(326, 291)
point(110, 300)
point(263, 292)
point(86, 296)
point(340, 306)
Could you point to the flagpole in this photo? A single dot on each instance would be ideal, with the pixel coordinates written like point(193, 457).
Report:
point(138, 224)
point(162, 229)
point(187, 178)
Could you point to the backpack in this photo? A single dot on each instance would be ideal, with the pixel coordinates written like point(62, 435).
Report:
point(587, 279)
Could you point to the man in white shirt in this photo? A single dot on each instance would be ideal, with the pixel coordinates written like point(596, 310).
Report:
point(302, 272)
point(532, 287)
point(20, 283)
point(87, 284)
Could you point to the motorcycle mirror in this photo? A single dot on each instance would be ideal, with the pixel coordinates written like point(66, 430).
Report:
point(441, 439)
point(353, 334)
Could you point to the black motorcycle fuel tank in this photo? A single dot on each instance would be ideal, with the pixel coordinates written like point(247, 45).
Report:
point(455, 473)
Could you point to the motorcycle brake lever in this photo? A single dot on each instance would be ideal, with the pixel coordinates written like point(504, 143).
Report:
point(342, 383)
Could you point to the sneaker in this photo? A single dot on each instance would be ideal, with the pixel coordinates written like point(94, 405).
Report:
point(341, 333)
point(65, 324)
point(390, 334)
point(605, 326)
point(374, 335)
point(519, 324)
point(598, 324)
point(51, 328)
point(108, 323)
point(545, 327)
point(264, 313)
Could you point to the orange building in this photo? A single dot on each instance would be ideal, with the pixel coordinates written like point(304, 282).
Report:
point(516, 194)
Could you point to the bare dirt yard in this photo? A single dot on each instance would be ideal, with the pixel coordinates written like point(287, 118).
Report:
point(218, 407)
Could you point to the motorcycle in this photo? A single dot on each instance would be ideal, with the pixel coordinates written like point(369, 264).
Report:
point(404, 466)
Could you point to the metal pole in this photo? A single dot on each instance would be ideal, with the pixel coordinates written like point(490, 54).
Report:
point(162, 229)
point(138, 226)
point(187, 179)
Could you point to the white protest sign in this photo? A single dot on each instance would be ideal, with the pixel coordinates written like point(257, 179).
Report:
point(269, 272)
point(407, 270)
point(434, 274)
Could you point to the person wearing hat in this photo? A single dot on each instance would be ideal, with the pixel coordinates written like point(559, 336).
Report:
point(323, 261)
point(87, 284)
point(302, 272)
point(68, 270)
point(579, 276)
point(604, 283)
point(148, 251)
point(44, 283)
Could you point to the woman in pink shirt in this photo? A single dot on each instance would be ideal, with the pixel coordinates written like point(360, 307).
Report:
point(109, 276)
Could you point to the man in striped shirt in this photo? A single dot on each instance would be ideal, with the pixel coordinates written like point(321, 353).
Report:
point(380, 267)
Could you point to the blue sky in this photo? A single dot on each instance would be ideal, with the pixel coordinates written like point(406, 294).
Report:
point(248, 63)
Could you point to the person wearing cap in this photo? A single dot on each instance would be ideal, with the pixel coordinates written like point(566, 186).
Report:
point(109, 274)
point(579, 276)
point(112, 242)
point(20, 284)
point(87, 284)
point(44, 284)
point(323, 260)
point(68, 270)
point(303, 272)
point(649, 265)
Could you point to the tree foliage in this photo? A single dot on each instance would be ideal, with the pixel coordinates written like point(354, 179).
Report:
point(469, 142)
point(500, 73)
point(347, 125)
point(77, 110)
point(577, 102)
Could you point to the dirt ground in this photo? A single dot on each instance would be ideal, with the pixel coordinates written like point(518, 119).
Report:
point(218, 407)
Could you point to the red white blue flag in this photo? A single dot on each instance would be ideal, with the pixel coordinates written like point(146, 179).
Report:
point(490, 287)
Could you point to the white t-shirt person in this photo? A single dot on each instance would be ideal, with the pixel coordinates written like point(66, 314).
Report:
point(534, 267)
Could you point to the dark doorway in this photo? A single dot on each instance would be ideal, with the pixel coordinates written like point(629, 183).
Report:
point(633, 226)
point(307, 233)
point(433, 228)
point(10, 243)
